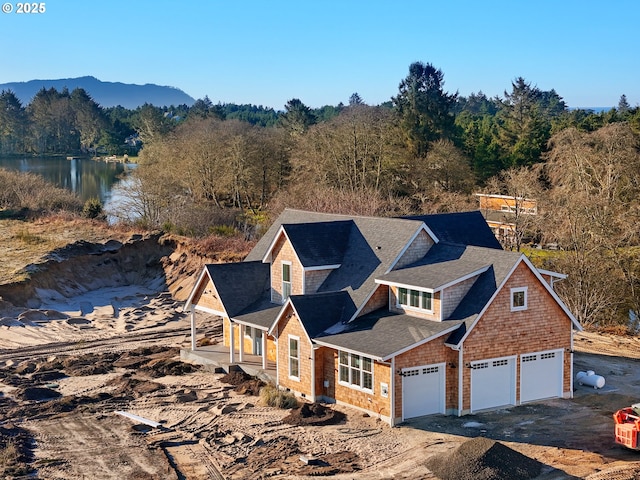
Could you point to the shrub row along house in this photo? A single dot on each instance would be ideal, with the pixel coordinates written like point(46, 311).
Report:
point(398, 317)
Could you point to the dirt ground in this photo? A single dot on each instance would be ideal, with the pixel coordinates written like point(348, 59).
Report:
point(62, 411)
point(95, 390)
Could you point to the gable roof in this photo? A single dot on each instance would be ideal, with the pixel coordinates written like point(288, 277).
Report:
point(463, 228)
point(484, 290)
point(238, 284)
point(318, 311)
point(372, 245)
point(319, 243)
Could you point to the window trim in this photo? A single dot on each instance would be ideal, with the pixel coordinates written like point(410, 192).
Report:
point(519, 308)
point(350, 368)
point(290, 357)
point(282, 280)
point(408, 296)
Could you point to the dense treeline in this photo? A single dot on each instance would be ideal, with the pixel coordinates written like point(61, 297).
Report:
point(426, 150)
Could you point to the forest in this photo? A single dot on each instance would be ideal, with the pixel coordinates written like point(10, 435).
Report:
point(228, 168)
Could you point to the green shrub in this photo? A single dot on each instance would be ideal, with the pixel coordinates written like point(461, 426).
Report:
point(92, 208)
point(272, 396)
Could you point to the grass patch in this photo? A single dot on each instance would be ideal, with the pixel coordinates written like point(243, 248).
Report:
point(272, 396)
point(27, 237)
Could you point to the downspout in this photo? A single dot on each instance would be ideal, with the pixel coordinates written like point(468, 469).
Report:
point(571, 367)
point(392, 393)
point(460, 383)
point(193, 328)
point(313, 373)
point(277, 338)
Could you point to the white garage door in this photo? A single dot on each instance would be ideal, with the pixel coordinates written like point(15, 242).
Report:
point(493, 383)
point(423, 390)
point(541, 375)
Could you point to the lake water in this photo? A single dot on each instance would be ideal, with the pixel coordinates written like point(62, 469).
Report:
point(87, 178)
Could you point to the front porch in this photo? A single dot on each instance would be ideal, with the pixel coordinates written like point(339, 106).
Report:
point(217, 356)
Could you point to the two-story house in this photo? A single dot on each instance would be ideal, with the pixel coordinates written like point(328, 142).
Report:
point(398, 317)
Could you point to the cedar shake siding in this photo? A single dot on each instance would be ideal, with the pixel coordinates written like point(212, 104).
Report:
point(288, 327)
point(314, 278)
point(283, 252)
point(418, 249)
point(452, 296)
point(379, 299)
point(501, 332)
point(207, 298)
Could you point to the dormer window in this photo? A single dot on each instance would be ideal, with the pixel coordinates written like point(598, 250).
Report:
point(415, 299)
point(286, 280)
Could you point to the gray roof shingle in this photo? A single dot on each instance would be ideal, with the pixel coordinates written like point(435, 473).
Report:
point(239, 284)
point(463, 228)
point(321, 243)
point(381, 334)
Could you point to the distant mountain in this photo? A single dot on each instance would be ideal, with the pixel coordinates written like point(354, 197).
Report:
point(107, 94)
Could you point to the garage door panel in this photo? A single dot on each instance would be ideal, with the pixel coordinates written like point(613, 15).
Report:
point(423, 390)
point(541, 375)
point(492, 383)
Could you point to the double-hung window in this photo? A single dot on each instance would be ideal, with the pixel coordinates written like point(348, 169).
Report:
point(286, 280)
point(415, 299)
point(294, 358)
point(356, 370)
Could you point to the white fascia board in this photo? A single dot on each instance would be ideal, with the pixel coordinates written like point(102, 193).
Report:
point(189, 301)
point(422, 342)
point(523, 258)
point(484, 309)
point(267, 255)
point(423, 227)
point(279, 317)
point(348, 350)
point(356, 314)
point(559, 276)
point(406, 285)
point(249, 324)
point(463, 278)
point(212, 311)
point(322, 267)
point(553, 293)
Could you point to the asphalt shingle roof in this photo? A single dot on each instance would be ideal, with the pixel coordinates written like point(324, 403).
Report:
point(239, 284)
point(319, 311)
point(464, 228)
point(382, 333)
point(321, 243)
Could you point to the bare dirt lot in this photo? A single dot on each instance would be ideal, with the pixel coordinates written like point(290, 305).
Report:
point(100, 393)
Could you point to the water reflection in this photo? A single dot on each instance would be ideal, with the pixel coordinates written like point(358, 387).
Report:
point(87, 178)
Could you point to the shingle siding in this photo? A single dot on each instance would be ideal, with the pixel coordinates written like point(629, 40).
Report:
point(452, 296)
point(283, 252)
point(500, 332)
point(418, 249)
point(313, 279)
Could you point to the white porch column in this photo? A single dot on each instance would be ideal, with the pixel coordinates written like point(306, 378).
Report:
point(193, 328)
point(264, 350)
point(241, 342)
point(232, 356)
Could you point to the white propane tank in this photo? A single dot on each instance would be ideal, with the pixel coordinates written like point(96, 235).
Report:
point(590, 378)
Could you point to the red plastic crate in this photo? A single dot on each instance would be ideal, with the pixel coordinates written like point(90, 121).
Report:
point(627, 435)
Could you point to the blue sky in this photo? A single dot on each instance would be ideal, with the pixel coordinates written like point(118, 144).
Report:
point(267, 52)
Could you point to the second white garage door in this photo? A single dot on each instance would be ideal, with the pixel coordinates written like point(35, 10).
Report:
point(541, 375)
point(493, 383)
point(423, 390)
